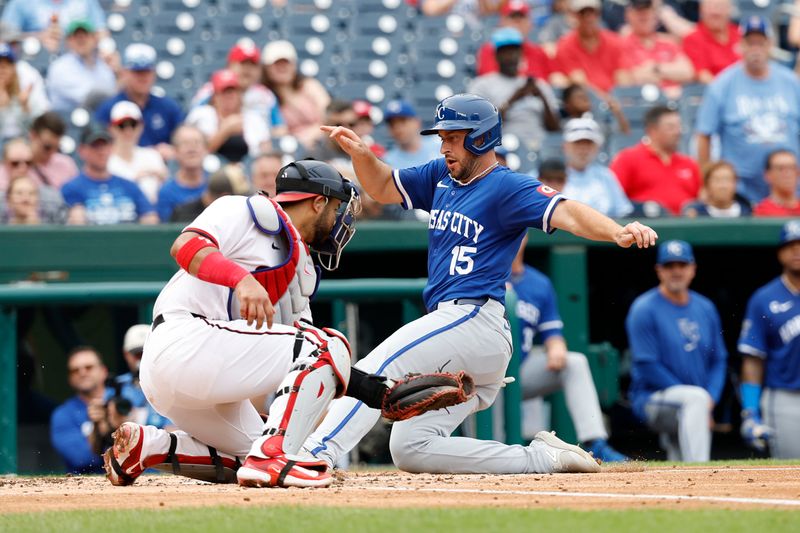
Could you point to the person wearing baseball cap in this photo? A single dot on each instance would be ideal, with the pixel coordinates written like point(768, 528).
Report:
point(244, 59)
point(303, 100)
point(79, 74)
point(527, 105)
point(770, 349)
point(679, 359)
point(770, 120)
point(589, 54)
point(233, 132)
point(365, 127)
point(587, 180)
point(160, 114)
point(534, 61)
point(140, 164)
point(410, 148)
point(96, 196)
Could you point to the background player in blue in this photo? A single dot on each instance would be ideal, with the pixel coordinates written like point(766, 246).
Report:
point(549, 367)
point(770, 344)
point(679, 357)
point(479, 213)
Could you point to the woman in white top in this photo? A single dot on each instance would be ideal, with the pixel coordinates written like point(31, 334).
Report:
point(15, 112)
point(233, 132)
point(128, 160)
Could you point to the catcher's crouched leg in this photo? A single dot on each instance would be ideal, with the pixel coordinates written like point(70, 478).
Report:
point(302, 399)
point(137, 448)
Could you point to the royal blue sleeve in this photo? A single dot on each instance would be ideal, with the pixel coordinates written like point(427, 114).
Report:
point(69, 442)
point(753, 337)
point(719, 357)
point(143, 205)
point(71, 193)
point(416, 184)
point(523, 202)
point(550, 323)
point(644, 345)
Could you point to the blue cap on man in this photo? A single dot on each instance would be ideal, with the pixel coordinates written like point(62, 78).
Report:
point(506, 37)
point(790, 232)
point(139, 57)
point(399, 109)
point(755, 24)
point(675, 252)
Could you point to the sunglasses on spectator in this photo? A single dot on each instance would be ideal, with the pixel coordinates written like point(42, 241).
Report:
point(20, 162)
point(346, 124)
point(86, 368)
point(125, 124)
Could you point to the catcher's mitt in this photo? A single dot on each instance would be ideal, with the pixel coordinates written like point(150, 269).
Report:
point(419, 393)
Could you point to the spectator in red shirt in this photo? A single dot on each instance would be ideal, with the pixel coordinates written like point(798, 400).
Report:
point(653, 170)
point(781, 174)
point(714, 44)
point(653, 57)
point(589, 55)
point(534, 61)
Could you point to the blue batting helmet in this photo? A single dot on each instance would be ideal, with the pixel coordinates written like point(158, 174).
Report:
point(469, 112)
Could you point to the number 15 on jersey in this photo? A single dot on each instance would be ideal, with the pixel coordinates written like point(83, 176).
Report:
point(462, 263)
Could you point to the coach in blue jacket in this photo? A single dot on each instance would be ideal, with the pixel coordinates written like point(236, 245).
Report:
point(679, 357)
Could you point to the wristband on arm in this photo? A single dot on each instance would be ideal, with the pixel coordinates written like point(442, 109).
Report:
point(751, 398)
point(215, 267)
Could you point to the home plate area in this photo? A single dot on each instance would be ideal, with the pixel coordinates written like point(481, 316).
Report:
point(633, 485)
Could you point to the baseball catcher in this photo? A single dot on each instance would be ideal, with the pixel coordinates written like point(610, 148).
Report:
point(234, 323)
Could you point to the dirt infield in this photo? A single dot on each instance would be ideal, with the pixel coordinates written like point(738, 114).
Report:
point(621, 487)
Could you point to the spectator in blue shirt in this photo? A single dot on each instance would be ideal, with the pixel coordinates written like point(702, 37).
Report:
point(190, 180)
point(96, 196)
point(162, 115)
point(409, 148)
point(679, 357)
point(754, 108)
point(73, 432)
point(80, 72)
point(587, 180)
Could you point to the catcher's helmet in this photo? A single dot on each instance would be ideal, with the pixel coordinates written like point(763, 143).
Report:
point(303, 179)
point(469, 112)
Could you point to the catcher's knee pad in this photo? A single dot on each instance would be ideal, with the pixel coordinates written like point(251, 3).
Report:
point(306, 392)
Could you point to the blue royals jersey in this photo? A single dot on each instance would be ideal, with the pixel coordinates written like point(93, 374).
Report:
point(537, 309)
point(771, 331)
point(674, 345)
point(474, 230)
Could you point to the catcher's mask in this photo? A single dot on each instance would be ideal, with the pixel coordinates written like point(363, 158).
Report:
point(303, 179)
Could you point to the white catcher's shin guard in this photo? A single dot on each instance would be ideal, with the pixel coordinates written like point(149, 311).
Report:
point(300, 402)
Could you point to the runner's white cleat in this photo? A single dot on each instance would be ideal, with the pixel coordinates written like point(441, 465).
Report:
point(568, 457)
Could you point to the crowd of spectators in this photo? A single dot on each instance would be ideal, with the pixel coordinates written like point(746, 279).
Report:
point(544, 65)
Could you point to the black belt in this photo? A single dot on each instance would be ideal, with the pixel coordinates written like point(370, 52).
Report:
point(471, 301)
point(160, 320)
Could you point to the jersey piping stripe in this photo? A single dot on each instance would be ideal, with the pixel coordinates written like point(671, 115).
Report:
point(749, 350)
point(204, 234)
point(383, 366)
point(397, 183)
point(553, 324)
point(549, 213)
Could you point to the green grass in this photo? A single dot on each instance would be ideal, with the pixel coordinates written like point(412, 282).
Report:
point(286, 519)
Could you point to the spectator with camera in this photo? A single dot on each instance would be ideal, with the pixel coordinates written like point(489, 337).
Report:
point(527, 105)
point(82, 422)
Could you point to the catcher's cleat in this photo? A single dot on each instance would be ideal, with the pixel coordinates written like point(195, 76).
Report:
point(267, 466)
point(122, 461)
point(567, 458)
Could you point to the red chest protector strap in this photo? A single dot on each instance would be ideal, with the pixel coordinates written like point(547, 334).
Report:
point(276, 279)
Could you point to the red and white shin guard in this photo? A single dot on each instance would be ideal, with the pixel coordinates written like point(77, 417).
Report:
point(137, 448)
point(301, 401)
